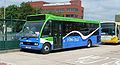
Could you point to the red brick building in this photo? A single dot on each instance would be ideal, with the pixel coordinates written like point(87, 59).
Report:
point(72, 8)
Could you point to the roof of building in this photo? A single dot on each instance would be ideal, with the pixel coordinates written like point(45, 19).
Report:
point(37, 2)
point(54, 4)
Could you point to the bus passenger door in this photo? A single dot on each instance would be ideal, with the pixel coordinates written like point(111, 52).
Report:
point(57, 36)
point(118, 32)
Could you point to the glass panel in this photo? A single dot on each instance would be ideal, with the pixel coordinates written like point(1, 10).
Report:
point(72, 10)
point(84, 28)
point(71, 15)
point(13, 27)
point(47, 29)
point(31, 29)
point(108, 29)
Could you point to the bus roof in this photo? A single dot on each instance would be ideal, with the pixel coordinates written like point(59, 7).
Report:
point(53, 17)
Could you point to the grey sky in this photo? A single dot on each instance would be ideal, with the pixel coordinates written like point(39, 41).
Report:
point(93, 9)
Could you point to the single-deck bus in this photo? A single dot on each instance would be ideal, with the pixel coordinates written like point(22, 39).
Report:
point(47, 32)
point(110, 32)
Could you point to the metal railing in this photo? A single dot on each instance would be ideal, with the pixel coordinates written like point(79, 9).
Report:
point(8, 32)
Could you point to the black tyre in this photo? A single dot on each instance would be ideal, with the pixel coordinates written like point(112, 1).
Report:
point(89, 43)
point(46, 48)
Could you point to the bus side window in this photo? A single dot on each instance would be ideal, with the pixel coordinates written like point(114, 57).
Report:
point(68, 27)
point(118, 31)
point(47, 29)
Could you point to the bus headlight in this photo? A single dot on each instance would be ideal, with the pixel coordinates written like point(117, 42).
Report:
point(36, 44)
point(21, 42)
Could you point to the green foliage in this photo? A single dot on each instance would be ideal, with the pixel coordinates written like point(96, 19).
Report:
point(12, 12)
point(1, 12)
point(117, 18)
point(19, 12)
point(25, 10)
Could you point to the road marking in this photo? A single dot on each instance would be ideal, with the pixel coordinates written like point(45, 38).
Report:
point(91, 59)
point(115, 62)
point(5, 63)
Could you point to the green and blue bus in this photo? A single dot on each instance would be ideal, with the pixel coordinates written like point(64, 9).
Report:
point(47, 32)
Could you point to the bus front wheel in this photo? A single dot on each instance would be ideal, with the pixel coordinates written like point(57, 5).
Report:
point(89, 43)
point(46, 48)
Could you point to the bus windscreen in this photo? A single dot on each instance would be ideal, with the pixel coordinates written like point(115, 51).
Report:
point(108, 29)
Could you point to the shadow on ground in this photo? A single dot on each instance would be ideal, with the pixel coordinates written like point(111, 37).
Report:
point(110, 44)
point(59, 50)
point(3, 64)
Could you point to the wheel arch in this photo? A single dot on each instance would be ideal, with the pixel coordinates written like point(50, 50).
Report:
point(90, 40)
point(49, 44)
point(91, 44)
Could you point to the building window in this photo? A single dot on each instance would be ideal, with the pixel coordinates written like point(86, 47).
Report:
point(60, 10)
point(72, 15)
point(72, 10)
point(51, 10)
point(54, 10)
point(81, 17)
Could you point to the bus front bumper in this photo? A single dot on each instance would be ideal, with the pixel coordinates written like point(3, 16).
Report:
point(39, 47)
point(109, 39)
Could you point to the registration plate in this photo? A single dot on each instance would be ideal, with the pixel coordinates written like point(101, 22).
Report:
point(28, 47)
point(106, 39)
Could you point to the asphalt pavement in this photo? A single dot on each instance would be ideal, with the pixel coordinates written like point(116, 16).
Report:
point(102, 55)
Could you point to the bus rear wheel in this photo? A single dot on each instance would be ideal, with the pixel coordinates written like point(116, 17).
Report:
point(89, 43)
point(46, 48)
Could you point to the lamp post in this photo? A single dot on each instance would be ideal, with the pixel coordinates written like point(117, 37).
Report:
point(4, 24)
point(4, 8)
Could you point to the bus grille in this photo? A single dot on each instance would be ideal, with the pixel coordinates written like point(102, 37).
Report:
point(28, 43)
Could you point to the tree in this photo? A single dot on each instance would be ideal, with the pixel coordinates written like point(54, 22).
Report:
point(1, 12)
point(19, 12)
point(25, 9)
point(12, 11)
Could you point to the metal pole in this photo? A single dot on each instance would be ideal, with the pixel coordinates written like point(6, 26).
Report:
point(4, 7)
point(4, 24)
